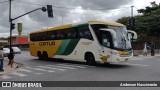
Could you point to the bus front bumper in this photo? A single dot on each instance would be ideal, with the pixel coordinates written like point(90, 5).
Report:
point(118, 58)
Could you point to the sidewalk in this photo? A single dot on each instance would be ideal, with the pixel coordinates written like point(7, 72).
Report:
point(149, 55)
point(7, 68)
point(141, 57)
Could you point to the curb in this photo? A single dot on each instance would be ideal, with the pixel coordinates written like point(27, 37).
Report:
point(8, 69)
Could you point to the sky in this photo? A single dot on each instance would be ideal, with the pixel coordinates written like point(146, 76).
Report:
point(65, 11)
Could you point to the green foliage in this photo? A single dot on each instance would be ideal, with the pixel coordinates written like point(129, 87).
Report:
point(147, 24)
point(123, 20)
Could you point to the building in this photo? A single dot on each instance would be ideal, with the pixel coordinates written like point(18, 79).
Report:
point(3, 41)
point(19, 40)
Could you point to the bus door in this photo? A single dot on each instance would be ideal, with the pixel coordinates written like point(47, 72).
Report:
point(105, 39)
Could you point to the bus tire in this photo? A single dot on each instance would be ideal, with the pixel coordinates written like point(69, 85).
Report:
point(90, 60)
point(45, 56)
point(39, 55)
point(106, 63)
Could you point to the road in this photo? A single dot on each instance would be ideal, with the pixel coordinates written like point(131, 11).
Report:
point(139, 69)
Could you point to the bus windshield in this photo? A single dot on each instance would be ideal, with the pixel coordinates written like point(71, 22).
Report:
point(121, 42)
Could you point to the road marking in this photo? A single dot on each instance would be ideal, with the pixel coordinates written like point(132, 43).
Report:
point(5, 77)
point(81, 65)
point(38, 73)
point(71, 65)
point(25, 70)
point(51, 68)
point(40, 69)
point(19, 74)
point(62, 66)
point(138, 59)
point(136, 64)
point(141, 58)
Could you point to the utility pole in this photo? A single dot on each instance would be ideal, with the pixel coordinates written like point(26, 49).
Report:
point(10, 20)
point(132, 11)
point(132, 22)
point(12, 25)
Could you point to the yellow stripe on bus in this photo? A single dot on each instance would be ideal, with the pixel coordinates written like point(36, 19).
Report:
point(50, 46)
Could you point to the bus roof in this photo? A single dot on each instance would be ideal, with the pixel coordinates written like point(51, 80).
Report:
point(77, 24)
point(105, 22)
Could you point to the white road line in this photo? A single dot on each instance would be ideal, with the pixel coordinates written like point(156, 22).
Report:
point(5, 77)
point(62, 66)
point(138, 59)
point(51, 68)
point(136, 64)
point(81, 65)
point(38, 73)
point(25, 70)
point(19, 74)
point(40, 69)
point(141, 58)
point(71, 65)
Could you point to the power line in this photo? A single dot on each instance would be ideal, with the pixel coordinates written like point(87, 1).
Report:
point(3, 1)
point(30, 3)
point(70, 7)
point(65, 7)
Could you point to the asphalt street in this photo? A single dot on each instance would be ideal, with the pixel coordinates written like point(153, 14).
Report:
point(138, 69)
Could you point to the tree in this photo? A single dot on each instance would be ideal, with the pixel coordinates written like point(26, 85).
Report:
point(147, 24)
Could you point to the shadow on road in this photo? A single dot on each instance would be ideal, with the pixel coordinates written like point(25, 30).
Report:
point(99, 65)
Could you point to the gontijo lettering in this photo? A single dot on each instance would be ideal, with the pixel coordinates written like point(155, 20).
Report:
point(47, 43)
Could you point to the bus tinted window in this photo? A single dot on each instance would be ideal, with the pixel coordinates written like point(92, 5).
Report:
point(71, 33)
point(68, 33)
point(52, 35)
point(84, 32)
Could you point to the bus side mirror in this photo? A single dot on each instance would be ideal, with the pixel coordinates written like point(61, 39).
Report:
point(113, 33)
point(132, 34)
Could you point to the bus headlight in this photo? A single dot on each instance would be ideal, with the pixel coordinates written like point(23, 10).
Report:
point(115, 53)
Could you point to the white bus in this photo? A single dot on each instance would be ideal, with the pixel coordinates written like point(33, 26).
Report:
point(92, 41)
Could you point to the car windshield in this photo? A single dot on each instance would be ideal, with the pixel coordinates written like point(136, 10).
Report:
point(120, 42)
point(16, 48)
point(5, 49)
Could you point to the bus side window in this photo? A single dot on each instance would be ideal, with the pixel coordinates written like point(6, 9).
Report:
point(71, 33)
point(39, 37)
point(53, 35)
point(32, 37)
point(48, 35)
point(60, 34)
point(64, 34)
point(84, 32)
point(105, 39)
point(44, 36)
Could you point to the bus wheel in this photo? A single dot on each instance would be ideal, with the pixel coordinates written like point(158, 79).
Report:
point(45, 56)
point(106, 63)
point(90, 60)
point(39, 55)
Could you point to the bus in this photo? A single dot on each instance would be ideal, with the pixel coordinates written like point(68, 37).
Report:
point(92, 41)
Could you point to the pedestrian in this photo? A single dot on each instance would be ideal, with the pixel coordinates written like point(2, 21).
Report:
point(145, 49)
point(11, 58)
point(152, 48)
point(1, 59)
